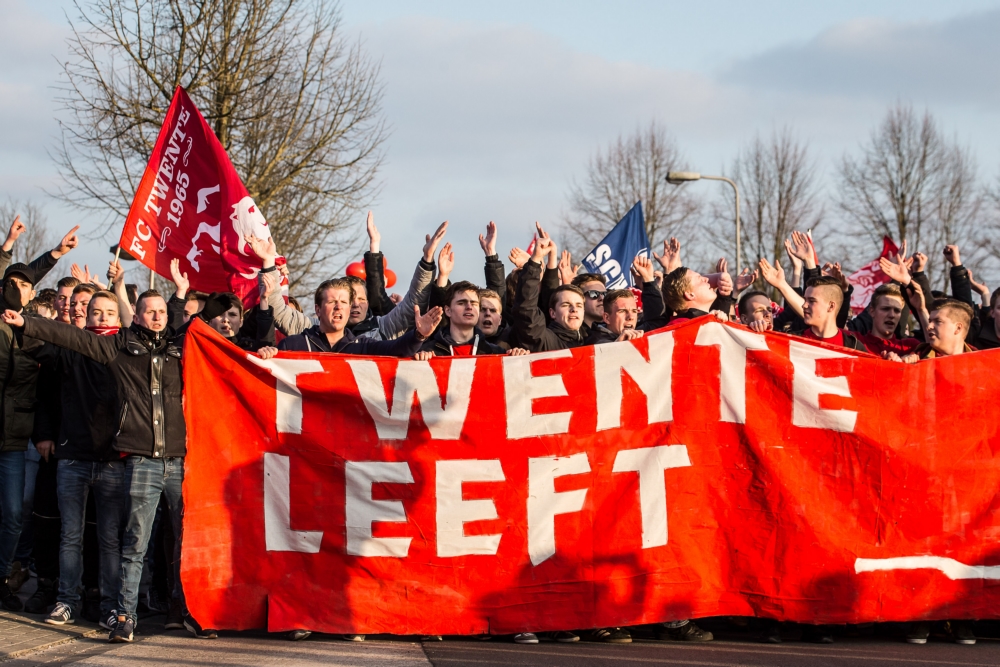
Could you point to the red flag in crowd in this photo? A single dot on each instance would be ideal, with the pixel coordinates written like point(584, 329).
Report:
point(867, 279)
point(191, 205)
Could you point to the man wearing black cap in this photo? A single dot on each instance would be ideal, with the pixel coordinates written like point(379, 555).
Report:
point(145, 361)
point(19, 376)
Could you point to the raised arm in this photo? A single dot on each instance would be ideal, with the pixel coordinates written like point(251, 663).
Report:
point(102, 349)
point(494, 269)
point(396, 323)
point(116, 278)
point(529, 320)
point(378, 300)
point(775, 276)
point(287, 320)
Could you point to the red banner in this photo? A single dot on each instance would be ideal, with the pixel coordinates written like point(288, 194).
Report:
point(191, 205)
point(701, 470)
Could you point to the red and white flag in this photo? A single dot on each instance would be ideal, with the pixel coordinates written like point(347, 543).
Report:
point(191, 205)
point(867, 279)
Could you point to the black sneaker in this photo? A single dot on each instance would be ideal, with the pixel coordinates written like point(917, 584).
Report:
point(297, 635)
point(771, 634)
point(918, 633)
point(353, 638)
point(817, 634)
point(689, 632)
point(8, 600)
point(43, 599)
point(61, 615)
point(431, 638)
point(192, 626)
point(123, 631)
point(564, 637)
point(110, 621)
point(611, 636)
point(961, 633)
point(175, 616)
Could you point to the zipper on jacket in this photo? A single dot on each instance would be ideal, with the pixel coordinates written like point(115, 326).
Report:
point(121, 418)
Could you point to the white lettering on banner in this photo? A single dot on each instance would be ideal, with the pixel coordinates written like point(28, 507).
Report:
point(453, 512)
point(135, 248)
point(650, 462)
point(653, 378)
point(182, 117)
point(444, 417)
point(521, 388)
point(278, 533)
point(733, 346)
point(288, 402)
point(544, 503)
point(167, 166)
point(139, 226)
point(807, 387)
point(362, 510)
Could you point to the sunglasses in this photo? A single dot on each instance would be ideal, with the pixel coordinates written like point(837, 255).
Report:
point(593, 294)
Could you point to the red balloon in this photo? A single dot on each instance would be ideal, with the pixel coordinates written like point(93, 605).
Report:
point(390, 277)
point(356, 269)
point(385, 263)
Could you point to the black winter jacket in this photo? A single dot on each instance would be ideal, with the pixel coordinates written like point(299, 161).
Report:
point(529, 319)
point(379, 302)
point(78, 410)
point(148, 375)
point(314, 340)
point(441, 343)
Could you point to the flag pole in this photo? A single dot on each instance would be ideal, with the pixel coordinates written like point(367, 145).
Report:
point(152, 278)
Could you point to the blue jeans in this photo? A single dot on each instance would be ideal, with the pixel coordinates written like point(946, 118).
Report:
point(11, 507)
point(75, 479)
point(145, 479)
point(24, 545)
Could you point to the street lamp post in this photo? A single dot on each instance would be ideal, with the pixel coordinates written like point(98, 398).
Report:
point(679, 177)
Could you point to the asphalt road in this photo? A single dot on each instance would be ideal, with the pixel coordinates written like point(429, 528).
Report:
point(262, 650)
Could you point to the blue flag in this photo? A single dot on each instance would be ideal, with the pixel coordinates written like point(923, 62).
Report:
point(614, 255)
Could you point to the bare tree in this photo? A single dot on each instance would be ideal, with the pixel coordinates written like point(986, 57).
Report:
point(35, 239)
point(295, 104)
point(778, 188)
point(912, 184)
point(632, 169)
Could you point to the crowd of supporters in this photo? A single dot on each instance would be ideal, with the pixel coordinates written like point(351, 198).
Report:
point(93, 433)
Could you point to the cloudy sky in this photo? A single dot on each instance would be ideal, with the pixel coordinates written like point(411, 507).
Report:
point(495, 107)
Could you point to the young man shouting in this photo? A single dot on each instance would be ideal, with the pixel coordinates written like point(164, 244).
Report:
point(566, 306)
point(462, 336)
point(818, 307)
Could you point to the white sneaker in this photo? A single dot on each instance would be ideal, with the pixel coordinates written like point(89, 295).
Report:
point(526, 638)
point(61, 615)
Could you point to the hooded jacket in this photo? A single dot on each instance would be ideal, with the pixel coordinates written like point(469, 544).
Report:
point(146, 367)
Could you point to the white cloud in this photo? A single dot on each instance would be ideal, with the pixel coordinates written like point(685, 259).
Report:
point(949, 62)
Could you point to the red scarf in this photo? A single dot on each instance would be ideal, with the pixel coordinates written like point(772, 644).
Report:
point(104, 331)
